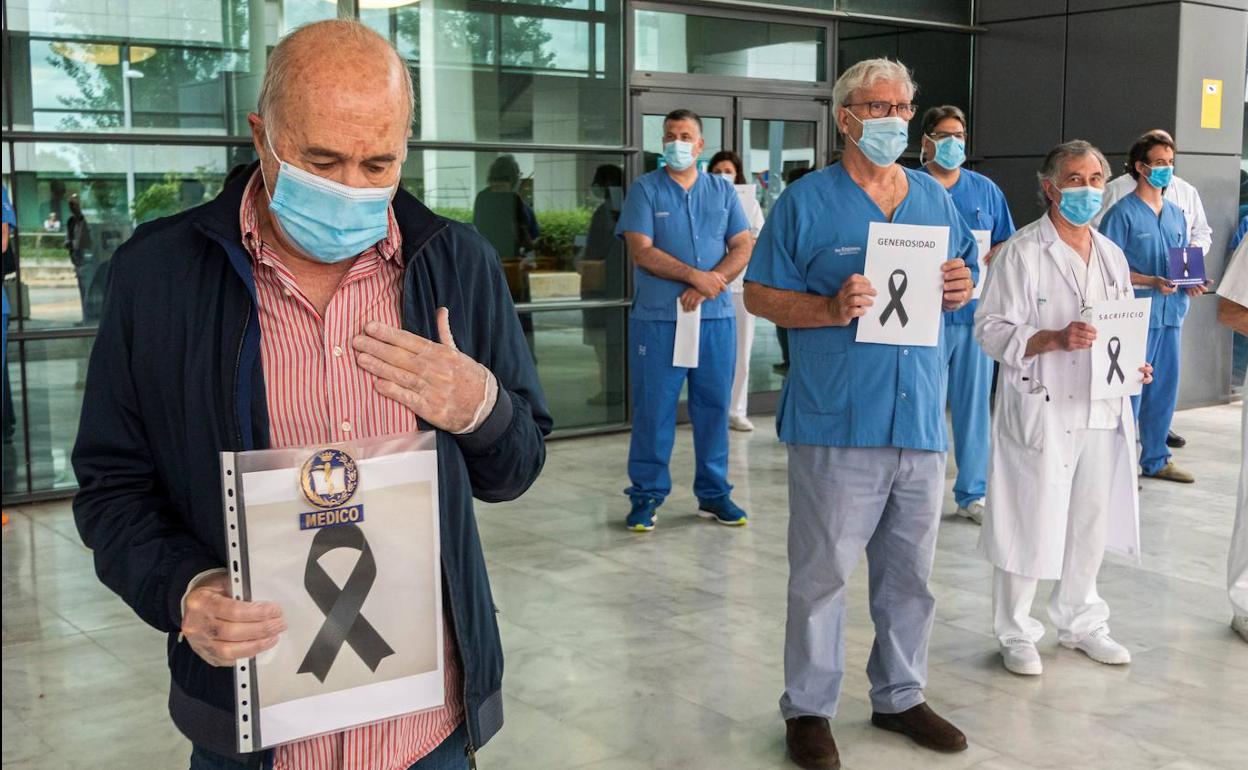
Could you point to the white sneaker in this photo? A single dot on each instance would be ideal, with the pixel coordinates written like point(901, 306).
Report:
point(974, 511)
point(1020, 657)
point(1100, 647)
point(743, 424)
point(1239, 624)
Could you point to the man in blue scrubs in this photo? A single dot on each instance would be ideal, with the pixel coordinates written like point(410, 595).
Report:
point(982, 206)
point(688, 239)
point(864, 423)
point(1146, 226)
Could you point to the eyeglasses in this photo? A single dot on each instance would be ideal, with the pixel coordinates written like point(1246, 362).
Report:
point(936, 136)
point(1161, 163)
point(884, 109)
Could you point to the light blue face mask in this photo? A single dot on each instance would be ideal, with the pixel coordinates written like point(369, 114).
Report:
point(1080, 204)
point(950, 153)
point(325, 220)
point(1161, 177)
point(883, 139)
point(679, 155)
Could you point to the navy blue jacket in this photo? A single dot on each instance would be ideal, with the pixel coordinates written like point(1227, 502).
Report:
point(176, 377)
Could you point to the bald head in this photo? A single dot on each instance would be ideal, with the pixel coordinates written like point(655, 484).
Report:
point(337, 101)
point(337, 54)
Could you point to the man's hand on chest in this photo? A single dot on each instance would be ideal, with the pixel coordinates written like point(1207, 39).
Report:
point(439, 384)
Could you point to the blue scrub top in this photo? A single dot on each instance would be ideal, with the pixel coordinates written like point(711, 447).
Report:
point(982, 206)
point(1240, 232)
point(692, 225)
point(839, 392)
point(10, 219)
point(1146, 238)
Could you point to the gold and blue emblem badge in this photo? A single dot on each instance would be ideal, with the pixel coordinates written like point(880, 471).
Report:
point(329, 479)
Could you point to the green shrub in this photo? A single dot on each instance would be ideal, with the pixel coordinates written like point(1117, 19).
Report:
point(457, 213)
point(559, 231)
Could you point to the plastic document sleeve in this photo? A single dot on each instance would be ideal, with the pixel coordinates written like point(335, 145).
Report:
point(344, 538)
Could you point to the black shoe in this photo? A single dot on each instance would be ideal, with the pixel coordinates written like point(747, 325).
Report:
point(810, 743)
point(1175, 441)
point(924, 727)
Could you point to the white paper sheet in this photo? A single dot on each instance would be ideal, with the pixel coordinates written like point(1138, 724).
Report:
point(688, 337)
point(983, 239)
point(1120, 347)
point(903, 265)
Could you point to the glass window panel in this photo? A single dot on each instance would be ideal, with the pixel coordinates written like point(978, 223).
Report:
point(526, 72)
point(652, 140)
point(55, 374)
point(784, 145)
point(145, 65)
point(769, 359)
point(551, 217)
point(580, 361)
point(953, 11)
point(12, 421)
point(940, 61)
point(115, 187)
point(707, 45)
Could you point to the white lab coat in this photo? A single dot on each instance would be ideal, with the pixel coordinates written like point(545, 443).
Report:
point(754, 216)
point(1040, 400)
point(1180, 192)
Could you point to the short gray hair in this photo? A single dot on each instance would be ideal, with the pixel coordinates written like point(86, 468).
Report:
point(278, 73)
point(1052, 167)
point(867, 73)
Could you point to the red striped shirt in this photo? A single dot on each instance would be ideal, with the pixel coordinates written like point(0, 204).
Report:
point(318, 394)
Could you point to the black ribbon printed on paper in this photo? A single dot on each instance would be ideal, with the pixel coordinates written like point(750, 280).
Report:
point(1114, 347)
point(343, 621)
point(895, 291)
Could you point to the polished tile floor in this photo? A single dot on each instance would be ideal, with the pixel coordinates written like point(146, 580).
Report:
point(628, 652)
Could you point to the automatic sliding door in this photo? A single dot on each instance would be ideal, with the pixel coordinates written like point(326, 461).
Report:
point(780, 140)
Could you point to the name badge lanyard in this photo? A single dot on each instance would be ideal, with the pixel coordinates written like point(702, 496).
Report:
point(1085, 309)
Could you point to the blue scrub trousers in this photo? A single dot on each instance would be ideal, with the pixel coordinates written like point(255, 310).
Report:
point(970, 380)
point(1154, 407)
point(656, 394)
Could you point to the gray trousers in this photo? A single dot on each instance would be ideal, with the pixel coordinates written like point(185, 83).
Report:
point(842, 500)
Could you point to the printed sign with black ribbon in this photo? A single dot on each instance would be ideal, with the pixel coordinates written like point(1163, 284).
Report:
point(344, 538)
point(903, 265)
point(1121, 343)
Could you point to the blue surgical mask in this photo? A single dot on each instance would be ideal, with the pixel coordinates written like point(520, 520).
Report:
point(950, 153)
point(327, 221)
point(883, 139)
point(1160, 177)
point(1080, 204)
point(679, 155)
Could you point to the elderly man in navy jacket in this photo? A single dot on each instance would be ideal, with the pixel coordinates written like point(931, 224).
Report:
point(313, 301)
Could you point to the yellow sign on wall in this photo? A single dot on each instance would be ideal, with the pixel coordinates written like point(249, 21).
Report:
point(1211, 103)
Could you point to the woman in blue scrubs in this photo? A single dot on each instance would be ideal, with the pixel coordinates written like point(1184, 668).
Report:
point(1146, 226)
point(982, 206)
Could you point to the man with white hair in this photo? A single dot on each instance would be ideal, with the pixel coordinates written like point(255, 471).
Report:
point(1061, 483)
point(864, 423)
point(313, 301)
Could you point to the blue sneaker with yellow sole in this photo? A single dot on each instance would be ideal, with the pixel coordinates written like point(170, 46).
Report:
point(645, 511)
point(723, 510)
